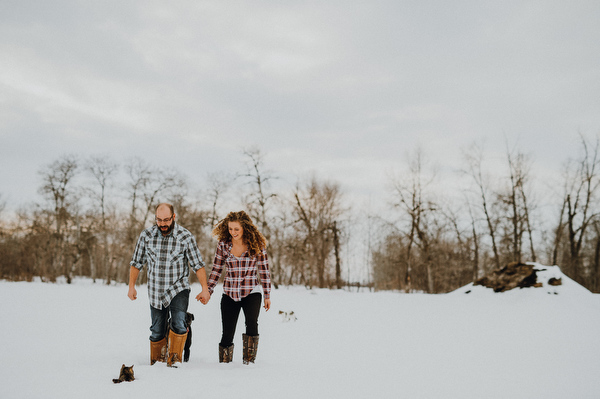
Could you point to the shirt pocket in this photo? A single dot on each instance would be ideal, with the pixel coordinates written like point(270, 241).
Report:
point(152, 255)
point(177, 256)
point(234, 273)
point(250, 268)
point(152, 262)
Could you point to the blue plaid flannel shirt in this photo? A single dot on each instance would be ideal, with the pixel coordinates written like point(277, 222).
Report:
point(168, 259)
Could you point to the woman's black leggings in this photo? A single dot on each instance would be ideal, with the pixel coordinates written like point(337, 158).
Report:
point(230, 311)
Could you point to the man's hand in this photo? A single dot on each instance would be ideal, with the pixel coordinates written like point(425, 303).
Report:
point(133, 275)
point(132, 294)
point(203, 297)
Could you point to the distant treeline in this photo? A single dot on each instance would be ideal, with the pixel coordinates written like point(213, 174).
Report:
point(428, 240)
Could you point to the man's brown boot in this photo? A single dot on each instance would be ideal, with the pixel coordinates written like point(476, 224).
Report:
point(158, 351)
point(176, 344)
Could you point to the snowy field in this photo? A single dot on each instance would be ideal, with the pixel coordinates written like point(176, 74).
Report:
point(69, 341)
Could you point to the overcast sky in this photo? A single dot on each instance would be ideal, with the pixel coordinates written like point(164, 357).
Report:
point(343, 88)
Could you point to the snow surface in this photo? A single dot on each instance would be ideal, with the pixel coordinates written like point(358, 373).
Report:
point(69, 341)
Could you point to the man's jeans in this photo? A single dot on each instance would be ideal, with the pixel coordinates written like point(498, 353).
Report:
point(177, 308)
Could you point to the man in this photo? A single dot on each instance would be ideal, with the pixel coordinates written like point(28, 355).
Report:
point(168, 250)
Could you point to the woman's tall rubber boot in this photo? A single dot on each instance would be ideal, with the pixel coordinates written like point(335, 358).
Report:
point(225, 353)
point(250, 348)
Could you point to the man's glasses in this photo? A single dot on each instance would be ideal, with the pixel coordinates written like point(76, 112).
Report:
point(164, 220)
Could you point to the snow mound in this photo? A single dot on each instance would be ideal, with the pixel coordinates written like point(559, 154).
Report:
point(543, 280)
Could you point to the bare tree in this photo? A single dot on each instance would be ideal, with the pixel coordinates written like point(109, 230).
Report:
point(594, 284)
point(474, 158)
point(218, 184)
point(103, 171)
point(527, 217)
point(139, 174)
point(464, 242)
point(388, 258)
point(411, 198)
point(560, 228)
point(518, 208)
point(145, 186)
point(336, 251)
point(161, 183)
point(579, 202)
point(475, 237)
point(317, 208)
point(258, 199)
point(57, 187)
point(260, 202)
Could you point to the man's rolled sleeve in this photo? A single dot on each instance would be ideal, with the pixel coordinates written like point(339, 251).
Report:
point(194, 257)
point(139, 255)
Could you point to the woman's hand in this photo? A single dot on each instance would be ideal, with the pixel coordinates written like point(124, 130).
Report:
point(267, 304)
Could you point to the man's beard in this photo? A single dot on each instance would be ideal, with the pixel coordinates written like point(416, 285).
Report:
point(165, 230)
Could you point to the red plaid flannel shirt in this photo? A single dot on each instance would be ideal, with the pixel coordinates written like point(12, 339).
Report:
point(242, 272)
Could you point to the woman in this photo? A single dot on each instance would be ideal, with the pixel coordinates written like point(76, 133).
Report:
point(242, 249)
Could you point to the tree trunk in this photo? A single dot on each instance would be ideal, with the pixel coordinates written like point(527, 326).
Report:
point(336, 250)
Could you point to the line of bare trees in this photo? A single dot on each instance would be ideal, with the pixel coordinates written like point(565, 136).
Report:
point(93, 211)
point(432, 238)
point(442, 239)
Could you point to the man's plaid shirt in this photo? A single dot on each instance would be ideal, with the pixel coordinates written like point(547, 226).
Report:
point(168, 259)
point(242, 272)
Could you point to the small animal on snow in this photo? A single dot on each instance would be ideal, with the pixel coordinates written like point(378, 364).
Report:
point(126, 374)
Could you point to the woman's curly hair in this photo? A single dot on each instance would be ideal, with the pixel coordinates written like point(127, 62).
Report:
point(253, 238)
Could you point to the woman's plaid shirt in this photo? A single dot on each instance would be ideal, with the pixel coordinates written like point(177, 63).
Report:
point(242, 272)
point(168, 259)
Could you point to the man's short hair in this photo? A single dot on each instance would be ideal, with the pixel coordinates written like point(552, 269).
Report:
point(167, 205)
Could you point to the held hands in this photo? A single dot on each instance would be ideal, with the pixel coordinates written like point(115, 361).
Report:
point(203, 297)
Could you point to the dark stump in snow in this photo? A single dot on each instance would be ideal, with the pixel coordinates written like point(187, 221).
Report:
point(512, 276)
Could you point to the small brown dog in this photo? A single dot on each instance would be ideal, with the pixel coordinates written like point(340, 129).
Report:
point(126, 374)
